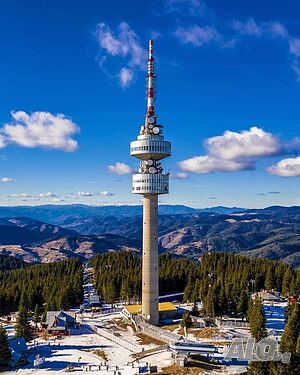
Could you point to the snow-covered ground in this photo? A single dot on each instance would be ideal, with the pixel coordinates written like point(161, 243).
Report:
point(79, 349)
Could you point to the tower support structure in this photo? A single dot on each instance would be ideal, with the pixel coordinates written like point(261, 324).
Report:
point(150, 181)
point(150, 292)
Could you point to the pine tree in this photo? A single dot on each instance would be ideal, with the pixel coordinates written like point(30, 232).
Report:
point(110, 293)
point(44, 315)
point(186, 322)
point(257, 320)
point(5, 353)
point(209, 303)
point(23, 327)
point(298, 345)
point(242, 305)
point(125, 290)
point(195, 311)
point(270, 279)
point(36, 315)
point(286, 281)
point(259, 368)
point(291, 331)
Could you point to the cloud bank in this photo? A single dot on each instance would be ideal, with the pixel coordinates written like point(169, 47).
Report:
point(289, 167)
point(40, 129)
point(119, 168)
point(234, 151)
point(123, 43)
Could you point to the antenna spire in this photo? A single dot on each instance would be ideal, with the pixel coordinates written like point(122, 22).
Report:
point(150, 81)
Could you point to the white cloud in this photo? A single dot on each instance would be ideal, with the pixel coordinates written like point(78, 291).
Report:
point(277, 29)
point(248, 28)
point(119, 168)
point(289, 167)
point(251, 28)
point(179, 176)
point(294, 47)
point(272, 30)
point(234, 151)
point(197, 36)
point(47, 195)
point(123, 43)
point(209, 164)
point(84, 194)
point(2, 141)
point(7, 179)
point(106, 193)
point(40, 129)
point(126, 76)
point(57, 200)
point(296, 68)
point(251, 143)
point(187, 7)
point(25, 195)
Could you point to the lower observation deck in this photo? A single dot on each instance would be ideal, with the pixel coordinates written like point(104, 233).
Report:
point(144, 183)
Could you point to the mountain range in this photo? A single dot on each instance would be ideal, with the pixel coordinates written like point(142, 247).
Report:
point(47, 233)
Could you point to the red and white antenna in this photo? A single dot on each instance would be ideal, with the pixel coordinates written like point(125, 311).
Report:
point(150, 81)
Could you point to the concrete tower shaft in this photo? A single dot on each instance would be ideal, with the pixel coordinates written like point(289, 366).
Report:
point(150, 290)
point(150, 181)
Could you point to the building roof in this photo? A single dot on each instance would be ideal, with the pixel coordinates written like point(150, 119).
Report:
point(266, 296)
point(17, 344)
point(163, 307)
point(94, 299)
point(70, 316)
point(58, 320)
point(57, 323)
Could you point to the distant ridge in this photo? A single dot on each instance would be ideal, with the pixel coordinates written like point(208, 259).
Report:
point(79, 230)
point(47, 212)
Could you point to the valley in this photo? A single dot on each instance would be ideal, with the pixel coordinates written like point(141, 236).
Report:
point(84, 231)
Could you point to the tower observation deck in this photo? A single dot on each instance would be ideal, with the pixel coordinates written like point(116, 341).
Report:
point(150, 181)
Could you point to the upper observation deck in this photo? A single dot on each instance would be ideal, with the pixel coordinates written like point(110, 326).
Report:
point(150, 147)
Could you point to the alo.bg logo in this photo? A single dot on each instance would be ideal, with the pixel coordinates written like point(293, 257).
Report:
point(265, 350)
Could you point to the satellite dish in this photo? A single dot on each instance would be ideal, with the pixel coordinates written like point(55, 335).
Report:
point(151, 120)
point(148, 317)
point(150, 162)
point(140, 170)
point(156, 130)
point(150, 127)
point(152, 170)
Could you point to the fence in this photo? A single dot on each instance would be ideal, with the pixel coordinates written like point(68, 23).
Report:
point(116, 339)
point(231, 323)
point(155, 332)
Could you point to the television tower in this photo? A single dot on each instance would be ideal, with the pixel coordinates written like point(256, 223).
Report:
point(150, 181)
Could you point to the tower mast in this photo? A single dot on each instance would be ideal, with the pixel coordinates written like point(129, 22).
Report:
point(150, 81)
point(150, 181)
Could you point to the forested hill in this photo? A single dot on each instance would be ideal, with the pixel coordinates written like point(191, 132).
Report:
point(221, 281)
point(52, 286)
point(24, 230)
point(8, 263)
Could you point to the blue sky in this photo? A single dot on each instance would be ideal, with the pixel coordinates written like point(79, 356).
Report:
point(72, 77)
